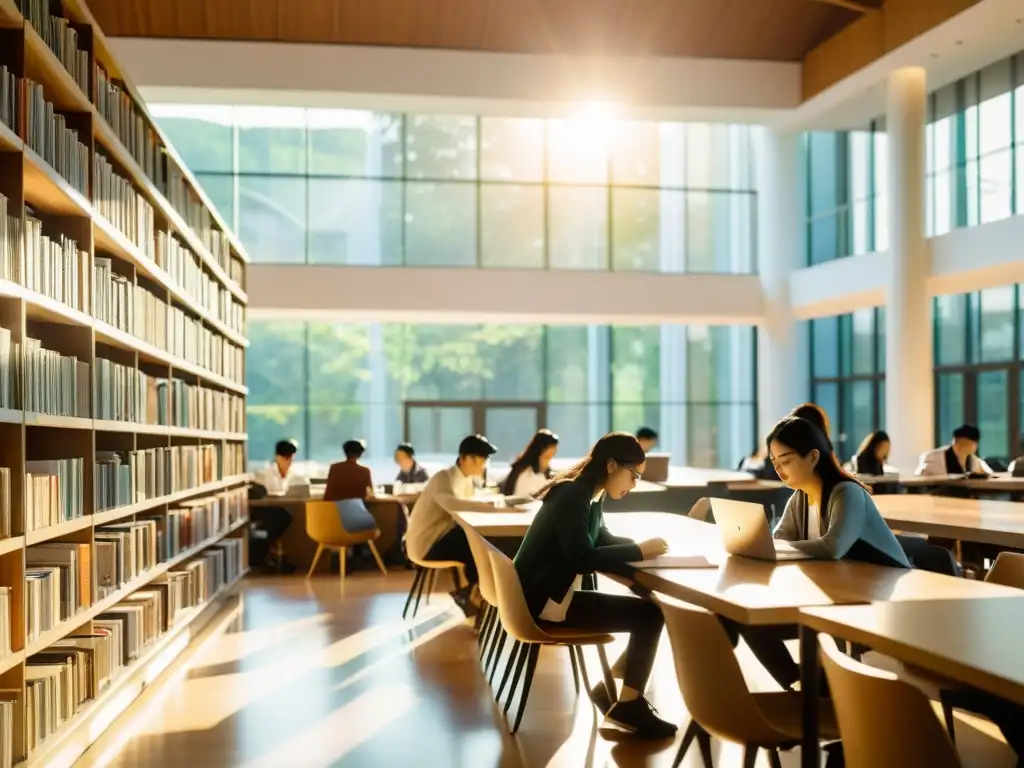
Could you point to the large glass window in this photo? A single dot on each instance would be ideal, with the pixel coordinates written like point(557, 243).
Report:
point(358, 187)
point(325, 382)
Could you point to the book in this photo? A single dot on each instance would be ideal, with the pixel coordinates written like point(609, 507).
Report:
point(119, 110)
point(187, 272)
point(61, 37)
point(48, 134)
point(54, 492)
point(113, 480)
point(124, 393)
point(201, 408)
point(9, 112)
point(117, 201)
point(54, 266)
point(55, 384)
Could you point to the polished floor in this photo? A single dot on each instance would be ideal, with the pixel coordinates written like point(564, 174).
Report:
point(304, 674)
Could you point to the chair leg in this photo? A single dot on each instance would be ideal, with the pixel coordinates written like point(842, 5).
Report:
point(316, 559)
point(586, 678)
point(773, 758)
point(704, 742)
point(485, 620)
point(609, 680)
point(688, 737)
point(423, 586)
point(431, 576)
point(412, 590)
point(750, 756)
point(531, 670)
point(575, 668)
point(524, 652)
point(508, 669)
point(947, 715)
point(495, 652)
point(342, 557)
point(376, 556)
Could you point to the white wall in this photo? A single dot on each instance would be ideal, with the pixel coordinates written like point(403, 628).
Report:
point(501, 295)
point(234, 72)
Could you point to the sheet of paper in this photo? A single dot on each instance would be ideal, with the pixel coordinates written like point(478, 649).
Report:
point(668, 561)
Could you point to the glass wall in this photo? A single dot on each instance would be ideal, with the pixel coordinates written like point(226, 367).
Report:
point(848, 375)
point(324, 383)
point(321, 186)
point(978, 356)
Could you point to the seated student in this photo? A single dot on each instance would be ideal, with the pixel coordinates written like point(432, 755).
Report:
point(349, 479)
point(270, 523)
point(531, 471)
point(872, 454)
point(957, 458)
point(1016, 468)
point(409, 470)
point(830, 517)
point(647, 438)
point(815, 414)
point(568, 541)
point(758, 465)
point(433, 533)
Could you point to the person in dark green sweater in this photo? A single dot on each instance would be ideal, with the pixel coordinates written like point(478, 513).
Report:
point(567, 542)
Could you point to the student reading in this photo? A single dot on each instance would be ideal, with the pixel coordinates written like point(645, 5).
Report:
point(958, 458)
point(349, 479)
point(831, 516)
point(647, 438)
point(568, 541)
point(531, 471)
point(433, 533)
point(409, 470)
point(272, 522)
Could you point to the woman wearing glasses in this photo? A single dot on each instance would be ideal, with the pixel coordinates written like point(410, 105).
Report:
point(567, 542)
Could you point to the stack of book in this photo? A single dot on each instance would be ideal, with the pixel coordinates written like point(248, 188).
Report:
point(124, 393)
point(118, 109)
point(8, 98)
point(117, 201)
point(113, 480)
point(237, 271)
point(190, 339)
point(233, 460)
point(58, 581)
point(57, 268)
point(61, 38)
point(47, 132)
point(52, 697)
point(184, 200)
point(10, 370)
point(54, 492)
point(12, 241)
point(195, 583)
point(200, 408)
point(142, 620)
point(55, 384)
point(186, 270)
point(123, 552)
point(236, 505)
point(113, 295)
point(150, 318)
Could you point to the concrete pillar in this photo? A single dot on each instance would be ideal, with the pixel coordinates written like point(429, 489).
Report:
point(782, 345)
point(909, 395)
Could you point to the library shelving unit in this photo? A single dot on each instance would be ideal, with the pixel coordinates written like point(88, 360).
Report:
point(122, 370)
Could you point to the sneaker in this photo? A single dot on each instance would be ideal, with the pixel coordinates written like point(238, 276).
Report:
point(640, 718)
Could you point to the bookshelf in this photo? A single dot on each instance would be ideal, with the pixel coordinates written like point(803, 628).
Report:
point(122, 389)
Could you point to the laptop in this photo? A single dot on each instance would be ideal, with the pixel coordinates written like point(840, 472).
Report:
point(656, 467)
point(745, 532)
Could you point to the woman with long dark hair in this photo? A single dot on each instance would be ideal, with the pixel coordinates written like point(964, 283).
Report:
point(531, 471)
point(568, 541)
point(872, 454)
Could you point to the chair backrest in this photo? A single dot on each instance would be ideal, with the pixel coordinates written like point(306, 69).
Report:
point(884, 722)
point(1008, 570)
point(515, 614)
point(339, 523)
point(480, 548)
point(929, 557)
point(701, 510)
point(710, 678)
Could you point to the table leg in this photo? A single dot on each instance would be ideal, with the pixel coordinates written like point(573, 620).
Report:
point(810, 687)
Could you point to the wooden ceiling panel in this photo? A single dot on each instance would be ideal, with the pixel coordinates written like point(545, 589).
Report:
point(781, 30)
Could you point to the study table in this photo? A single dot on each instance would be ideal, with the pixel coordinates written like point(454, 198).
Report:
point(974, 642)
point(985, 521)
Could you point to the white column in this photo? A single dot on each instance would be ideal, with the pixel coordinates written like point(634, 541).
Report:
point(782, 349)
point(909, 392)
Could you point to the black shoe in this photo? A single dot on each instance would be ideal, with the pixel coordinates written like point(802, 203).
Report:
point(599, 695)
point(461, 598)
point(638, 717)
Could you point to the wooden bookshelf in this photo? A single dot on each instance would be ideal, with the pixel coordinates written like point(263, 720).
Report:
point(111, 257)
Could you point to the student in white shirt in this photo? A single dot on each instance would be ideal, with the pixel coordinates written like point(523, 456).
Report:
point(531, 471)
point(270, 523)
point(433, 533)
point(957, 458)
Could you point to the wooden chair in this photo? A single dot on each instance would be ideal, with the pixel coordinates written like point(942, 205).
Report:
point(717, 696)
point(340, 525)
point(884, 721)
point(529, 638)
point(426, 575)
point(701, 510)
point(491, 633)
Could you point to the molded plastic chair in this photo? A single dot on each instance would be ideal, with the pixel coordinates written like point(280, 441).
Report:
point(701, 510)
point(340, 525)
point(530, 638)
point(884, 721)
point(492, 634)
point(717, 696)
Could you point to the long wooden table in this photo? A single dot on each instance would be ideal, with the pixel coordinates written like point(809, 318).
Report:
point(975, 642)
point(986, 521)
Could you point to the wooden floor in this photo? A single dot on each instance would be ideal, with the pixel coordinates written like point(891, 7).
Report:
point(311, 674)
